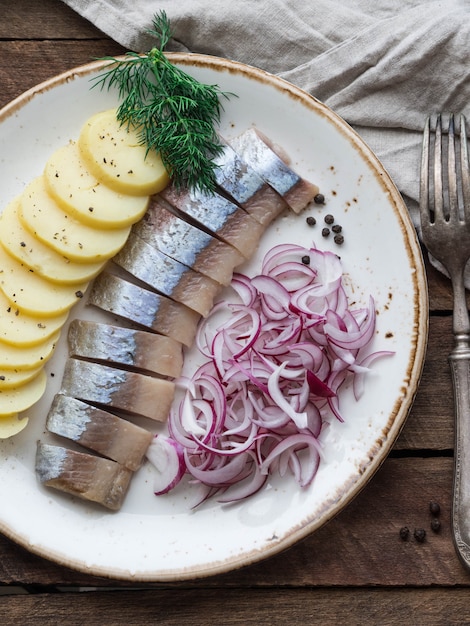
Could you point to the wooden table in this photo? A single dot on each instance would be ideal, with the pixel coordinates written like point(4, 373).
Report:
point(357, 569)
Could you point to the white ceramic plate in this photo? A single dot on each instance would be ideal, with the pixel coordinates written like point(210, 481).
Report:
point(161, 539)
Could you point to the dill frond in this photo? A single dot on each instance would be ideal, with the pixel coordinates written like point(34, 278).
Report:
point(175, 114)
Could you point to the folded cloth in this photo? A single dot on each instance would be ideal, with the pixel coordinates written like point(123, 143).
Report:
point(382, 65)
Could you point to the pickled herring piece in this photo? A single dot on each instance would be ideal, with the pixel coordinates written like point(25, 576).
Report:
point(256, 150)
point(144, 307)
point(167, 276)
point(136, 349)
point(130, 392)
point(83, 475)
point(218, 216)
point(242, 183)
point(98, 430)
point(188, 244)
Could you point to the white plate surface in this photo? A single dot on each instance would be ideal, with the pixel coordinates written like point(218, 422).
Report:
point(161, 539)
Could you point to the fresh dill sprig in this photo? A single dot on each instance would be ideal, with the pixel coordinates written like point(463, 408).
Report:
point(175, 114)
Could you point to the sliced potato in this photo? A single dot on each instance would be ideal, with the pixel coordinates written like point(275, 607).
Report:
point(28, 249)
point(85, 197)
point(20, 329)
point(14, 358)
point(11, 424)
point(16, 378)
point(31, 293)
point(113, 153)
point(23, 397)
point(43, 218)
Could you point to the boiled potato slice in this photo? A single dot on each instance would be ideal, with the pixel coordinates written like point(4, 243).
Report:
point(13, 358)
point(31, 293)
point(27, 249)
point(15, 378)
point(43, 218)
point(22, 330)
point(21, 398)
point(113, 153)
point(85, 197)
point(11, 424)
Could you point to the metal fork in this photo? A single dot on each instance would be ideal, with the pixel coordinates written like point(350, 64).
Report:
point(445, 225)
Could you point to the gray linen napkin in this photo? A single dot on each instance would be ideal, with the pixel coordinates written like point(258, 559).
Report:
point(382, 65)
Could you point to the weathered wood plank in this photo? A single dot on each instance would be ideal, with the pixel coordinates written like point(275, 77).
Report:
point(28, 63)
point(361, 547)
point(47, 19)
point(260, 606)
point(430, 425)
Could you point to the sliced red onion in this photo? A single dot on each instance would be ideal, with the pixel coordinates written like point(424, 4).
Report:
point(166, 455)
point(318, 387)
point(288, 448)
point(273, 374)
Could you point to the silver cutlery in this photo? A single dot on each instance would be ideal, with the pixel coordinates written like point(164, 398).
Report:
point(445, 225)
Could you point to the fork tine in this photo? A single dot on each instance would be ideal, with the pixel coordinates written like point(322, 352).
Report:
point(452, 172)
point(438, 189)
point(424, 178)
point(465, 168)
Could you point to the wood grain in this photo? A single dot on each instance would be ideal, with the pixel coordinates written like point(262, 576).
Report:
point(430, 425)
point(171, 607)
point(47, 19)
point(37, 61)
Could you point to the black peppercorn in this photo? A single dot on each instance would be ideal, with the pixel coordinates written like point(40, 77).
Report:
point(336, 228)
point(329, 219)
point(420, 534)
point(435, 525)
point(306, 259)
point(311, 221)
point(404, 533)
point(339, 239)
point(319, 199)
point(325, 232)
point(434, 508)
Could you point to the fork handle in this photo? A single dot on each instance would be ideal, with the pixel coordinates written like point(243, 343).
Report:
point(459, 361)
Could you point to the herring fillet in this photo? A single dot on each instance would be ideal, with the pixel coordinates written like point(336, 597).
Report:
point(98, 430)
point(130, 392)
point(167, 276)
point(256, 149)
point(187, 244)
point(215, 213)
point(137, 349)
point(242, 183)
point(83, 475)
point(144, 307)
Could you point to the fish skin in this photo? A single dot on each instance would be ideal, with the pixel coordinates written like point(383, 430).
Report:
point(167, 276)
point(217, 214)
point(188, 244)
point(256, 149)
point(129, 392)
point(98, 430)
point(137, 349)
point(144, 307)
point(242, 183)
point(86, 476)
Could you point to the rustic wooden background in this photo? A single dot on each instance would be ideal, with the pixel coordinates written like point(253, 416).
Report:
point(356, 570)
